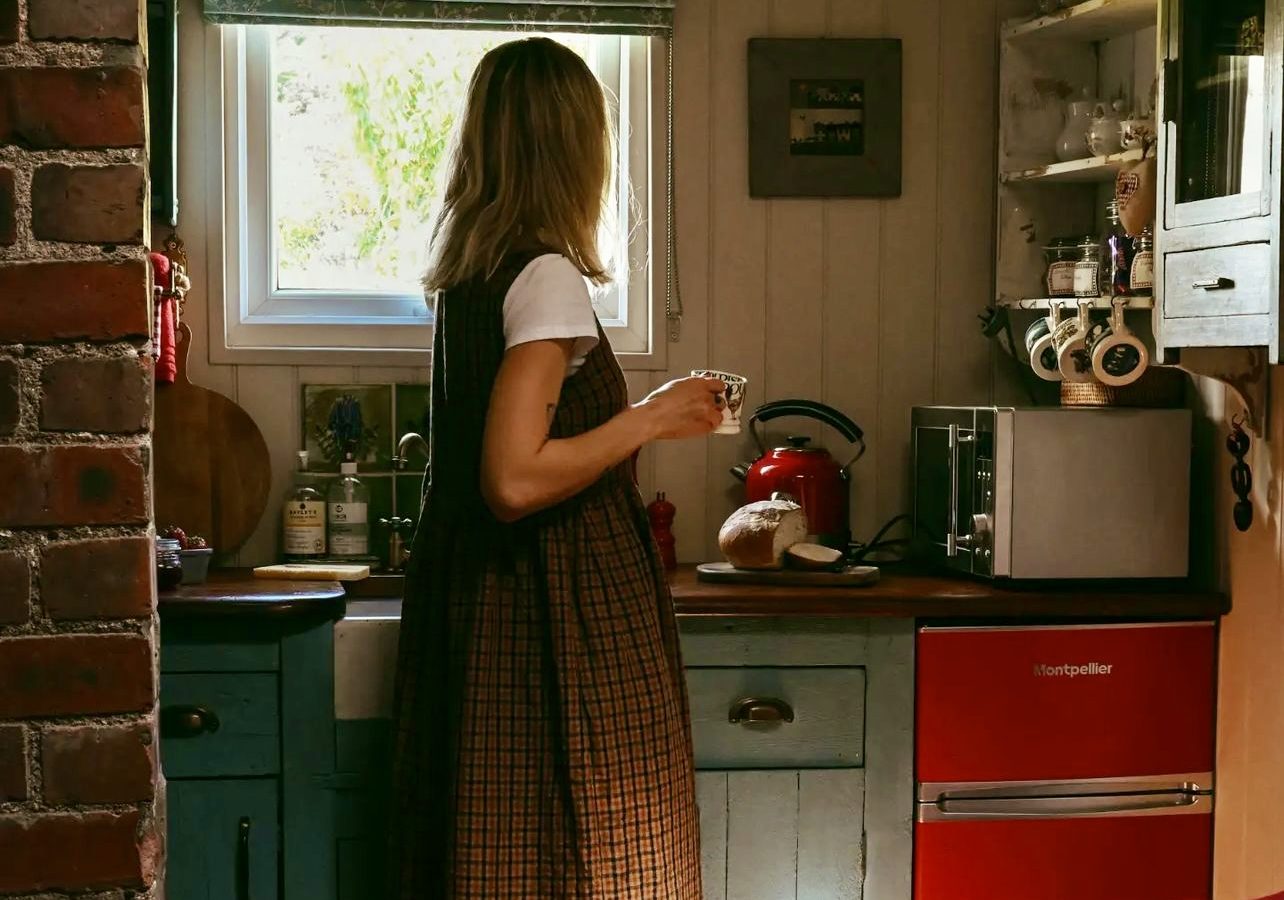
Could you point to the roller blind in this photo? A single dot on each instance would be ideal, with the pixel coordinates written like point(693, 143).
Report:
point(641, 17)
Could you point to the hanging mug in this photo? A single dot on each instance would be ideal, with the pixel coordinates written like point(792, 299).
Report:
point(1038, 343)
point(1118, 356)
point(1068, 341)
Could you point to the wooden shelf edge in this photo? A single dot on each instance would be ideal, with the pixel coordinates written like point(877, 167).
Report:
point(1088, 169)
point(1092, 20)
point(1073, 302)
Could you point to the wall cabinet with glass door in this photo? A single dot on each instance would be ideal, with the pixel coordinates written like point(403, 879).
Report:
point(1218, 223)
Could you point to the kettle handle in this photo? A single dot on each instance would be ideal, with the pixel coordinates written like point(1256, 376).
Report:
point(808, 409)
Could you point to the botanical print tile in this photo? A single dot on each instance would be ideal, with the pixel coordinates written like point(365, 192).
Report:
point(337, 416)
point(412, 402)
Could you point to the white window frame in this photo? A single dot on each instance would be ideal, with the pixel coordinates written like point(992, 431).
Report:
point(261, 325)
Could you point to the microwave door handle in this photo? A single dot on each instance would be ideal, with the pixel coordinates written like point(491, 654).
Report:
point(952, 537)
point(1101, 807)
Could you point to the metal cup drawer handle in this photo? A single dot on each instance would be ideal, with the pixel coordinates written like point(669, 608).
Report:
point(1215, 284)
point(760, 710)
point(187, 721)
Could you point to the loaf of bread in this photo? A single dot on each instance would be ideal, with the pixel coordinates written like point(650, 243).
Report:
point(756, 536)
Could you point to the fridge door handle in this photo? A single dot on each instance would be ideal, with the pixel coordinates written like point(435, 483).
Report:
point(1189, 783)
point(1082, 806)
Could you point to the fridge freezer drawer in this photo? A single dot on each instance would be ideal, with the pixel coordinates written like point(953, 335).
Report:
point(1134, 853)
point(1032, 703)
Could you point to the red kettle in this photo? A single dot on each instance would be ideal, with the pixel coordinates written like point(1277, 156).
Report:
point(808, 474)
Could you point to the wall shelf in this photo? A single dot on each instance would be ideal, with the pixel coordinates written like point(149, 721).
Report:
point(1093, 169)
point(1140, 302)
point(1093, 20)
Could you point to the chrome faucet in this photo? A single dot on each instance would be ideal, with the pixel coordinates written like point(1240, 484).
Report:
point(410, 438)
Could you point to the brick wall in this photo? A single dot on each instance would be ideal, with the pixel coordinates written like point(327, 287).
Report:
point(79, 782)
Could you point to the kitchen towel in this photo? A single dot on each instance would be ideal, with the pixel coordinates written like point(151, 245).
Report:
point(166, 320)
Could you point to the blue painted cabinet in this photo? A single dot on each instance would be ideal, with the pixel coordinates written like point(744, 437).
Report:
point(248, 751)
point(223, 839)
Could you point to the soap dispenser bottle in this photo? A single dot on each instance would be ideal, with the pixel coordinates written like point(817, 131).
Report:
point(347, 512)
point(303, 518)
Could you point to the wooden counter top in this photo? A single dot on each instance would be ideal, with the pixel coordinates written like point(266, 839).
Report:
point(909, 594)
point(915, 595)
point(236, 592)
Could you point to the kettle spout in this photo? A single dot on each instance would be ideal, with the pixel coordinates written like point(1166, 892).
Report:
point(740, 471)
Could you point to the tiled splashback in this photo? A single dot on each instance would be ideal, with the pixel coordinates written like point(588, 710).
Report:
point(371, 417)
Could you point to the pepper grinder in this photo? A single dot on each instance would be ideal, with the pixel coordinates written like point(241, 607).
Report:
point(661, 513)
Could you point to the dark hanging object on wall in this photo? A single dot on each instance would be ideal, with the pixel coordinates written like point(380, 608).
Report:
point(1240, 474)
point(162, 107)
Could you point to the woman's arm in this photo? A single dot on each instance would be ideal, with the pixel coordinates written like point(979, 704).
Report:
point(524, 471)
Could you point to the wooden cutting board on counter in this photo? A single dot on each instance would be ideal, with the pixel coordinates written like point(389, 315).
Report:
point(725, 573)
point(314, 572)
point(212, 469)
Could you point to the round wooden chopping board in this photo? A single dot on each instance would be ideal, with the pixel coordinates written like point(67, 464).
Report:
point(211, 465)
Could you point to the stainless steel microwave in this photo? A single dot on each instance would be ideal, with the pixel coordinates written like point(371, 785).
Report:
point(1052, 492)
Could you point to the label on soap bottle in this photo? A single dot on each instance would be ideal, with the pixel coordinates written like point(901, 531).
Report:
point(304, 528)
point(349, 535)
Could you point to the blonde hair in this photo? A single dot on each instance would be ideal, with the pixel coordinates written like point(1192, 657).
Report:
point(529, 167)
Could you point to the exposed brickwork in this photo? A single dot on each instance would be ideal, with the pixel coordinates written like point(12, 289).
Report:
point(70, 851)
point(8, 208)
point(10, 388)
point(97, 764)
point(65, 301)
point(72, 485)
point(74, 674)
point(13, 762)
point(102, 579)
point(8, 21)
point(15, 589)
point(111, 395)
point(90, 107)
point(88, 204)
point(83, 20)
point(80, 795)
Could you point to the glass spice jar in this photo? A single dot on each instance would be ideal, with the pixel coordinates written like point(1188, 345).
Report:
point(1061, 261)
point(169, 564)
point(1087, 269)
point(1117, 253)
point(1141, 275)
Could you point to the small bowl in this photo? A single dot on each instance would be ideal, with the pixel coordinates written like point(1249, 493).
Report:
point(196, 565)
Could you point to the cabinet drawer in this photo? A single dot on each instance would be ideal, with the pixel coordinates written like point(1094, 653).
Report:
point(827, 706)
point(240, 733)
point(1244, 270)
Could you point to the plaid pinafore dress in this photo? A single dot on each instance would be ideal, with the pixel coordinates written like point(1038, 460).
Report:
point(543, 744)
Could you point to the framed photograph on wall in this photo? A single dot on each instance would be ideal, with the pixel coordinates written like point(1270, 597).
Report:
point(824, 117)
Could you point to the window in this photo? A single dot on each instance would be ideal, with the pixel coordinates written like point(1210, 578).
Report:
point(334, 139)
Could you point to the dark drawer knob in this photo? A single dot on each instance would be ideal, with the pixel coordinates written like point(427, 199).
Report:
point(760, 710)
point(187, 721)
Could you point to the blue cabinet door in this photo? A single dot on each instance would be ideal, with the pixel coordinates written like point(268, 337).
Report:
point(223, 840)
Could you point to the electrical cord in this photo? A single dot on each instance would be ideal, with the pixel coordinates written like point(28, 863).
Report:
point(858, 551)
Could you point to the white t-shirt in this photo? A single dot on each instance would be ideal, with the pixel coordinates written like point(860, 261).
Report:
point(549, 300)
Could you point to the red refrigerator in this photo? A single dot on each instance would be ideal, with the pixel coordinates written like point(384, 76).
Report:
point(1065, 762)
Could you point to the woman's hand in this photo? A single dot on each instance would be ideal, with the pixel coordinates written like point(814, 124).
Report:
point(687, 407)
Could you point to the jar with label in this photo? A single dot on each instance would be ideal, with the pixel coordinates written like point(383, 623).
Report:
point(347, 512)
point(1061, 260)
point(303, 518)
point(1117, 251)
point(1141, 276)
point(1087, 269)
point(169, 564)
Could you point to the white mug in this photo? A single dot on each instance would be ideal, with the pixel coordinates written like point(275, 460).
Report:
point(1038, 343)
point(734, 398)
point(1068, 340)
point(1118, 356)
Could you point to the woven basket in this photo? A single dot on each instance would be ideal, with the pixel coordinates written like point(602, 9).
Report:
point(1157, 387)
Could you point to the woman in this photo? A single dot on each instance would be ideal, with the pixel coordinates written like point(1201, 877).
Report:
point(543, 747)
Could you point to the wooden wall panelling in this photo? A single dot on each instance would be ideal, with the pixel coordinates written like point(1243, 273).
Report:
point(853, 284)
point(908, 303)
point(270, 394)
point(966, 182)
point(681, 468)
point(737, 303)
point(1250, 710)
point(794, 365)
